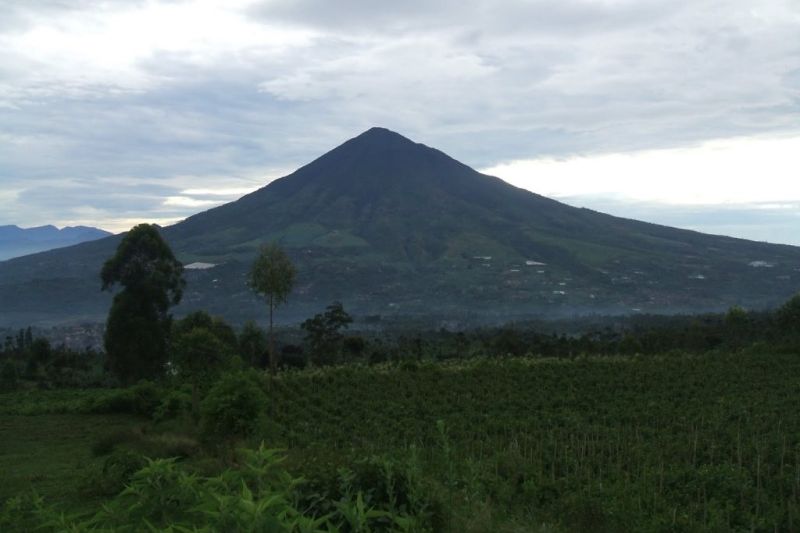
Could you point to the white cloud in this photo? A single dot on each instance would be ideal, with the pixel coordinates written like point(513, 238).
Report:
point(94, 52)
point(730, 171)
point(185, 201)
point(230, 191)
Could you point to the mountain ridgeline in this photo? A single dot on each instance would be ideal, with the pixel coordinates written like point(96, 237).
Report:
point(16, 241)
point(392, 227)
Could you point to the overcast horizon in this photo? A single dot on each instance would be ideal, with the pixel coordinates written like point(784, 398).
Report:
point(685, 113)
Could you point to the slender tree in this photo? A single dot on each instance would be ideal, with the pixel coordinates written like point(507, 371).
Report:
point(272, 276)
point(138, 322)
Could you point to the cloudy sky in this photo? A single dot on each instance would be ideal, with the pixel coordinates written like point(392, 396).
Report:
point(683, 112)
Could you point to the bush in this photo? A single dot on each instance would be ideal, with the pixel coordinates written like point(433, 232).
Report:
point(8, 377)
point(117, 471)
point(175, 404)
point(233, 406)
point(141, 399)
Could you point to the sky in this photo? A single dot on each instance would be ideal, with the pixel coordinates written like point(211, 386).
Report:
point(681, 112)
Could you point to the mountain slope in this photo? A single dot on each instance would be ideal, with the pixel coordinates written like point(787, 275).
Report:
point(16, 241)
point(390, 226)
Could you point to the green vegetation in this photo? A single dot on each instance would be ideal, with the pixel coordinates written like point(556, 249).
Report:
point(272, 276)
point(665, 424)
point(323, 334)
point(666, 443)
point(137, 329)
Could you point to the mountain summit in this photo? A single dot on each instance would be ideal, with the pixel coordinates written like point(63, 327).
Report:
point(390, 226)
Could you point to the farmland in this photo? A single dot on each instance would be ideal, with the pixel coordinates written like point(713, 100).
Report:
point(661, 443)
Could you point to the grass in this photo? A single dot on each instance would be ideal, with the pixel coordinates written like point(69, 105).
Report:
point(52, 453)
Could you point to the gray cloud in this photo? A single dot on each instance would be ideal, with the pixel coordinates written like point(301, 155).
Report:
point(485, 81)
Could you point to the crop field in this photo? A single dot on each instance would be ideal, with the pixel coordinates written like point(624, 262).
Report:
point(672, 443)
point(667, 443)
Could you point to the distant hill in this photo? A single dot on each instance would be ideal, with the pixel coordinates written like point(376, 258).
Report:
point(389, 226)
point(16, 241)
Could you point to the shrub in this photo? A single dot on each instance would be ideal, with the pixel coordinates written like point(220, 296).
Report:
point(233, 406)
point(175, 404)
point(8, 377)
point(117, 471)
point(141, 399)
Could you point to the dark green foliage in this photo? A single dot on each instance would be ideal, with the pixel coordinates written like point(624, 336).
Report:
point(135, 339)
point(138, 325)
point(8, 377)
point(224, 333)
point(253, 345)
point(789, 316)
point(118, 470)
point(675, 442)
point(600, 443)
point(259, 496)
point(233, 406)
point(354, 346)
point(323, 333)
point(141, 399)
point(199, 356)
point(40, 351)
point(176, 403)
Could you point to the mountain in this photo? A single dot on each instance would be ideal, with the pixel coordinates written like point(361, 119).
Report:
point(392, 227)
point(16, 241)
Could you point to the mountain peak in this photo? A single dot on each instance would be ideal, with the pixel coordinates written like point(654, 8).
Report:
point(379, 138)
point(370, 163)
point(379, 132)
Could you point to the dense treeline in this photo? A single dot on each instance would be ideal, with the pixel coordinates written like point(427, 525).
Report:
point(324, 340)
point(26, 358)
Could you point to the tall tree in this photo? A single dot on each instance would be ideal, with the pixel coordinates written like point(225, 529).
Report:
point(138, 322)
point(273, 276)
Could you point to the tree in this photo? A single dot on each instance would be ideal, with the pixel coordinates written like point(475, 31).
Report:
point(322, 332)
point(788, 317)
point(199, 355)
point(138, 323)
point(252, 344)
point(272, 275)
point(223, 332)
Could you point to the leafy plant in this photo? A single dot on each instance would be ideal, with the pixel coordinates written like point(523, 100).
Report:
point(233, 406)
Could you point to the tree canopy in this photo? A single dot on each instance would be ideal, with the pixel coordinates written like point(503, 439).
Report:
point(323, 332)
point(138, 324)
point(272, 275)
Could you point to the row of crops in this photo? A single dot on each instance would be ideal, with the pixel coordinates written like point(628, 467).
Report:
point(678, 443)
